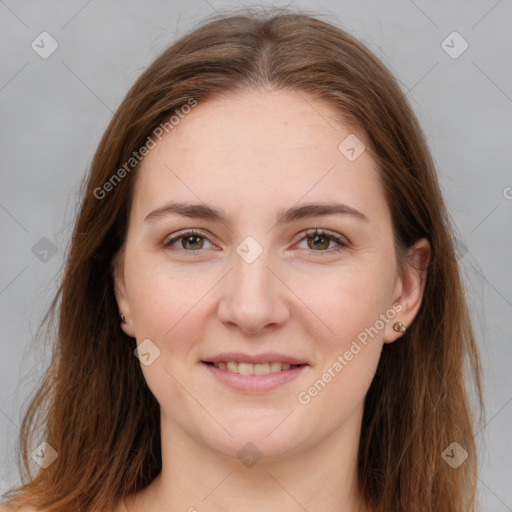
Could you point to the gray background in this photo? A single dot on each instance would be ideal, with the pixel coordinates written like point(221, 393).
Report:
point(54, 110)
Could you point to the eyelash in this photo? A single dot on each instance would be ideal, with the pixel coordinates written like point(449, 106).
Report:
point(343, 244)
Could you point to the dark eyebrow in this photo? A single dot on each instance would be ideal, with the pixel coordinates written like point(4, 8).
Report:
point(316, 210)
point(203, 211)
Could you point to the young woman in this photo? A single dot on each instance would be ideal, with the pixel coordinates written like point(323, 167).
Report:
point(261, 308)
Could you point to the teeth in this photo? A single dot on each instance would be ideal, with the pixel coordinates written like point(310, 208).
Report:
point(253, 369)
point(275, 367)
point(247, 368)
point(232, 366)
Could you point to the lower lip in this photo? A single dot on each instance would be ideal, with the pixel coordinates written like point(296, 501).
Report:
point(254, 383)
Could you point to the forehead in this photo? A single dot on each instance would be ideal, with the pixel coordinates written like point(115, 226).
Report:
point(261, 125)
point(255, 150)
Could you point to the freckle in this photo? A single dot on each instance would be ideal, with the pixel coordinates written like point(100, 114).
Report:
point(285, 123)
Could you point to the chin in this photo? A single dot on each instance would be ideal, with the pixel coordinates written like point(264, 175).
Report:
point(266, 440)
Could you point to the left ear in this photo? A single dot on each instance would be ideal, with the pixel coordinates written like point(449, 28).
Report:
point(409, 288)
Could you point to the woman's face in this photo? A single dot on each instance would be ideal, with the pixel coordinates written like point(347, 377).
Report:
point(259, 282)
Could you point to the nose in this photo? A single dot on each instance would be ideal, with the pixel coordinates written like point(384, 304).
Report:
point(253, 298)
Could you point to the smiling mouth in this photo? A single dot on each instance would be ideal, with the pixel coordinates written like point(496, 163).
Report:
point(253, 369)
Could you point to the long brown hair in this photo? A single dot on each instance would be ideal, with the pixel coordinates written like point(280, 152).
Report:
point(93, 405)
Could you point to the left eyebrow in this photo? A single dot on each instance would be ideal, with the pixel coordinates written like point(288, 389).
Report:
point(317, 210)
point(203, 211)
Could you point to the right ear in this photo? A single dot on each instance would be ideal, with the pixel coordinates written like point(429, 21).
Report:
point(123, 303)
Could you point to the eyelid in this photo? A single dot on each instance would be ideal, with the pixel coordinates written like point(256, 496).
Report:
point(341, 240)
point(182, 234)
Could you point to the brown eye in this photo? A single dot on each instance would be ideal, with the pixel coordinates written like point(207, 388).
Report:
point(189, 241)
point(192, 242)
point(319, 240)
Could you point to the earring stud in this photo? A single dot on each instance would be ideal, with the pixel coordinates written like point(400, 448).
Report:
point(399, 327)
point(122, 319)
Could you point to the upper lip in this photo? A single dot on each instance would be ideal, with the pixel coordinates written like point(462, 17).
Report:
point(267, 357)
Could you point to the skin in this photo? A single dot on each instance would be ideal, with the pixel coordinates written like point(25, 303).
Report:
point(252, 155)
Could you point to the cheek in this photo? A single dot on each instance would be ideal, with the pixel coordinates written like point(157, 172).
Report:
point(166, 307)
point(354, 308)
point(160, 295)
point(343, 303)
point(347, 360)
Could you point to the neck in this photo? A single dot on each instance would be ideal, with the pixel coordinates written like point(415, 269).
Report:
point(196, 478)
